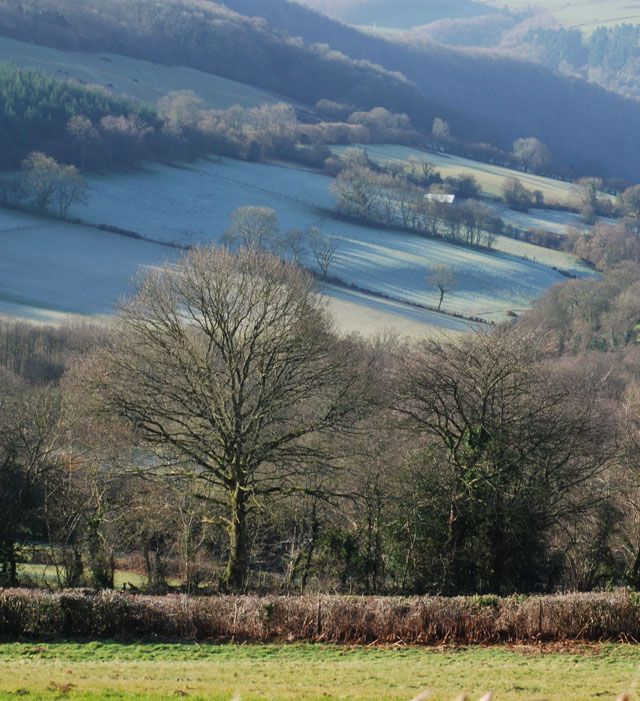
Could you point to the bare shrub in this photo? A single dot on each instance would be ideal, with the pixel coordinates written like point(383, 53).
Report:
point(331, 619)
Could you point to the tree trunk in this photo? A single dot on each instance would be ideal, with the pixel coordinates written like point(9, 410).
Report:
point(234, 577)
point(9, 560)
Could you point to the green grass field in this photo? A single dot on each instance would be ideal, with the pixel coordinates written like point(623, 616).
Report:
point(45, 576)
point(100, 670)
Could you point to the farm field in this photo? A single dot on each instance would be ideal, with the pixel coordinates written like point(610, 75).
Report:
point(142, 80)
point(52, 271)
point(97, 670)
point(550, 220)
point(490, 177)
point(585, 15)
point(193, 204)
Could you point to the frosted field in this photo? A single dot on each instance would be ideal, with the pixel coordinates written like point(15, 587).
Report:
point(49, 270)
point(490, 177)
point(551, 220)
point(193, 204)
point(142, 80)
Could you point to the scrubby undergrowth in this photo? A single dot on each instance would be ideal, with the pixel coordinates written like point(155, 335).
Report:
point(333, 619)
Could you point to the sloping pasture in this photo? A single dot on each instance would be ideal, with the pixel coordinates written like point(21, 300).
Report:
point(585, 15)
point(50, 270)
point(489, 176)
point(142, 80)
point(193, 204)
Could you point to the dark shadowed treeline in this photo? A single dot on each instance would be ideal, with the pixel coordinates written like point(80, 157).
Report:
point(489, 97)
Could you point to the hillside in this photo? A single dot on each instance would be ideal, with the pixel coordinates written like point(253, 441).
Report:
point(484, 97)
point(497, 98)
point(122, 75)
point(401, 14)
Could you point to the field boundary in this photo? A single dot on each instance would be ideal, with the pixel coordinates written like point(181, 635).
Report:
point(36, 614)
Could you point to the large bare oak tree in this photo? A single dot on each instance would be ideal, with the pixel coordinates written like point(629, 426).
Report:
point(228, 364)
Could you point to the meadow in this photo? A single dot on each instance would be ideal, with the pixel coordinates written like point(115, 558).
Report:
point(107, 670)
point(585, 15)
point(193, 203)
point(142, 80)
point(490, 177)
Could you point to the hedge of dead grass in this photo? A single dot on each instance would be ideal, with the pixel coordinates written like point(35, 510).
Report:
point(27, 613)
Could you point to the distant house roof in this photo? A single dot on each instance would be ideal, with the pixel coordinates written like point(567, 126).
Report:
point(437, 197)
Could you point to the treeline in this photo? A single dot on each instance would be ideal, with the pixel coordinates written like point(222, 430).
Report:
point(395, 198)
point(36, 112)
point(86, 127)
point(496, 463)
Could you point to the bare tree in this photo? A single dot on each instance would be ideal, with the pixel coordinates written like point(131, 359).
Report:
point(85, 136)
point(71, 187)
point(514, 441)
point(30, 439)
point(227, 365)
point(294, 242)
point(532, 153)
point(41, 175)
point(324, 249)
point(443, 278)
point(253, 228)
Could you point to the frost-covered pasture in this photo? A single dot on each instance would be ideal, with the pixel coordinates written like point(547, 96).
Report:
point(49, 269)
point(547, 219)
point(193, 204)
point(142, 80)
point(490, 177)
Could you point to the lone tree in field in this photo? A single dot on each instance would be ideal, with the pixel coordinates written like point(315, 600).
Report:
point(227, 364)
point(253, 228)
point(443, 278)
point(324, 249)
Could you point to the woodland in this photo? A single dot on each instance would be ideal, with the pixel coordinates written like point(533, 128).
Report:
point(220, 436)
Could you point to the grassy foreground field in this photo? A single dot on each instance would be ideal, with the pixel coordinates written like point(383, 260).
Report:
point(99, 670)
